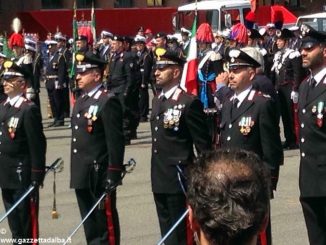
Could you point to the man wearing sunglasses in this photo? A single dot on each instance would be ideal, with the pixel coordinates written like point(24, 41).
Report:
point(312, 113)
point(22, 152)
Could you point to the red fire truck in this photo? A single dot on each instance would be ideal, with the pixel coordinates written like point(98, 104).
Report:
point(126, 21)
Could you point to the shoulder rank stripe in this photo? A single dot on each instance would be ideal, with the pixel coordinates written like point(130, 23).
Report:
point(251, 95)
point(176, 94)
point(19, 102)
point(98, 94)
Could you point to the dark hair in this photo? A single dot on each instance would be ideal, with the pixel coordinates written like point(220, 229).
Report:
point(229, 194)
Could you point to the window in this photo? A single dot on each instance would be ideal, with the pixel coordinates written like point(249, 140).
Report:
point(85, 4)
point(123, 4)
point(154, 3)
point(52, 4)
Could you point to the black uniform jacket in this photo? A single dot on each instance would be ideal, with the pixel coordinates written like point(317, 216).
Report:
point(23, 144)
point(312, 114)
point(97, 145)
point(253, 127)
point(173, 144)
point(56, 70)
point(121, 73)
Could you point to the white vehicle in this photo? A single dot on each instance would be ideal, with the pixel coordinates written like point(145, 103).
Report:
point(220, 14)
point(316, 21)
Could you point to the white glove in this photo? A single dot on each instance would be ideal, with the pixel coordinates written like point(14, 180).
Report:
point(30, 93)
point(295, 97)
point(57, 85)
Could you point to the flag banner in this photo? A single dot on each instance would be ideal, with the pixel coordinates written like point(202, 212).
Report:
point(190, 70)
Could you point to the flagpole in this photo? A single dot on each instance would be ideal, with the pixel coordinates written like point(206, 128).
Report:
point(93, 24)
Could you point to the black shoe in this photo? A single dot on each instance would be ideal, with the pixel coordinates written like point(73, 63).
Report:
point(291, 146)
point(133, 135)
point(143, 119)
point(51, 124)
point(58, 124)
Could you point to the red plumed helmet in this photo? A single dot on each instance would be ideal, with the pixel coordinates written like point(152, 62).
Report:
point(250, 20)
point(251, 16)
point(239, 33)
point(204, 33)
point(16, 39)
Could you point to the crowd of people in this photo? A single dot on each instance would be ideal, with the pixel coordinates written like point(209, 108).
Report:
point(248, 80)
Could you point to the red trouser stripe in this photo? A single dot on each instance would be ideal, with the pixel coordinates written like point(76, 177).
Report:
point(262, 238)
point(109, 220)
point(34, 220)
point(190, 233)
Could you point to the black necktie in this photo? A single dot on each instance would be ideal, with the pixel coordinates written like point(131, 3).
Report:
point(235, 103)
point(312, 85)
point(312, 82)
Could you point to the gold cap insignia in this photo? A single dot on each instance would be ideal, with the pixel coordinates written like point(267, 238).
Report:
point(80, 58)
point(8, 64)
point(160, 52)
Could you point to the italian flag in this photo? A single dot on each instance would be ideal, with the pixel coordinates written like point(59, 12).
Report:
point(189, 74)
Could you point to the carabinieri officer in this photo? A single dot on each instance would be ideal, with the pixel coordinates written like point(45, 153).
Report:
point(22, 152)
point(97, 150)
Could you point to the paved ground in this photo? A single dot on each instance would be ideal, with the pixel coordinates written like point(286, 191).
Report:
point(139, 225)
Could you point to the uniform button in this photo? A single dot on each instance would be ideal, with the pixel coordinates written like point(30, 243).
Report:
point(75, 150)
point(2, 123)
point(230, 125)
point(78, 115)
point(76, 127)
point(303, 111)
point(155, 139)
point(0, 133)
point(302, 140)
point(0, 142)
point(179, 161)
point(74, 139)
point(156, 128)
point(155, 151)
point(157, 118)
point(303, 154)
point(228, 138)
point(302, 125)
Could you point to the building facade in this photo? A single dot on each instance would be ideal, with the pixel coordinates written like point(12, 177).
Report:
point(9, 9)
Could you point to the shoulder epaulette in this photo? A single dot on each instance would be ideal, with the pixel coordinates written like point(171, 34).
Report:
point(263, 94)
point(294, 54)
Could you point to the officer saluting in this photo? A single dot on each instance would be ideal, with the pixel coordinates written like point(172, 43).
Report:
point(249, 119)
point(177, 123)
point(312, 114)
point(22, 150)
point(97, 150)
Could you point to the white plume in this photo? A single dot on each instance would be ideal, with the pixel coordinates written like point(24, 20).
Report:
point(16, 25)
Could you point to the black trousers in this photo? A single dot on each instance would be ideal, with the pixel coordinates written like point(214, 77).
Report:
point(57, 103)
point(19, 219)
point(143, 102)
point(285, 104)
point(314, 212)
point(96, 227)
point(170, 208)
